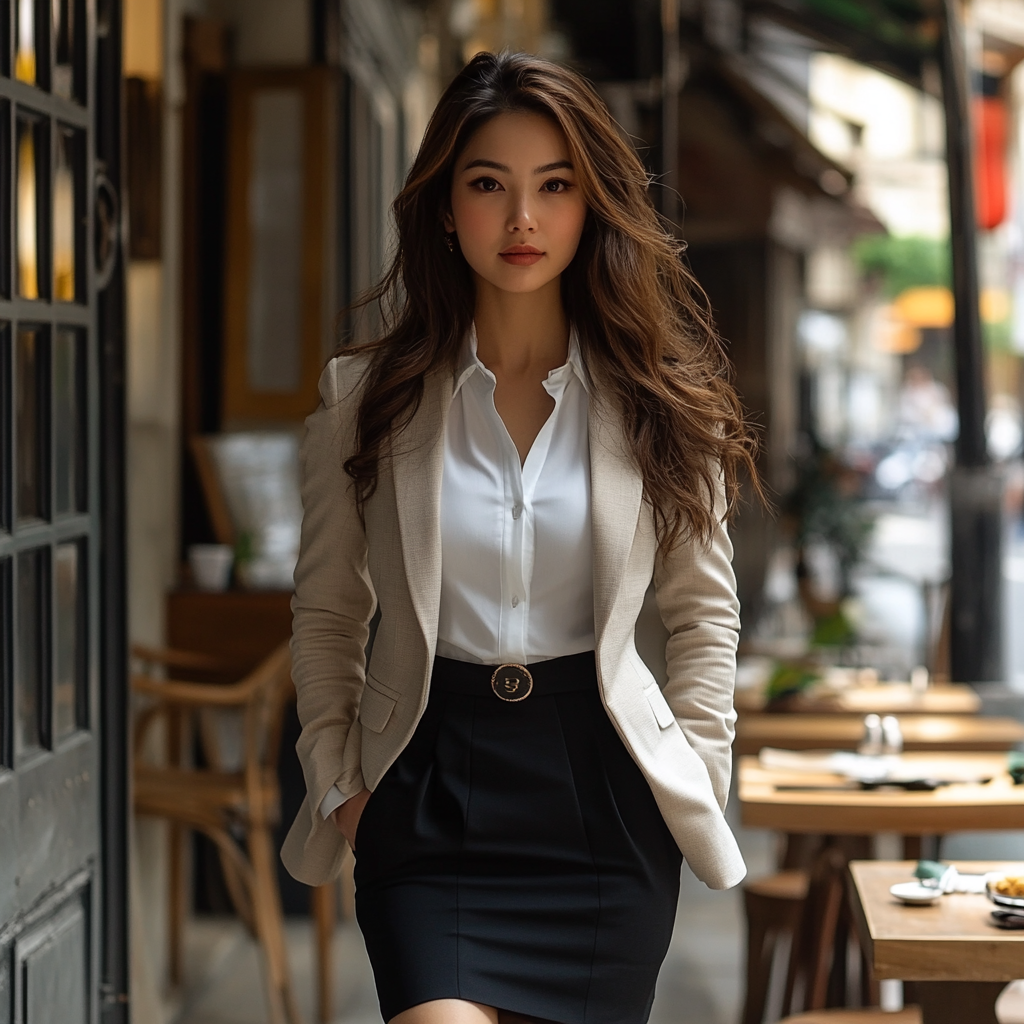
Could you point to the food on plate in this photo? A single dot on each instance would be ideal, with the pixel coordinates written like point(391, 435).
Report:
point(1011, 885)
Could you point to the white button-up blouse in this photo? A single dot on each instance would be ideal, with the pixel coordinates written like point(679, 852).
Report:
point(516, 548)
point(516, 559)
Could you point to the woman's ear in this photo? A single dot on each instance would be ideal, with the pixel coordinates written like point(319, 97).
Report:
point(448, 221)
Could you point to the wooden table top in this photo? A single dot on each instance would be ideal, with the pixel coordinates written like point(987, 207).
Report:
point(998, 805)
point(840, 732)
point(951, 940)
point(883, 699)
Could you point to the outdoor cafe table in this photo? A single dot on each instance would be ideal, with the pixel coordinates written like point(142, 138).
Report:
point(842, 732)
point(958, 961)
point(883, 699)
point(968, 807)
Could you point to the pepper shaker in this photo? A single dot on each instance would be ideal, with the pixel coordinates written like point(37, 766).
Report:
point(892, 735)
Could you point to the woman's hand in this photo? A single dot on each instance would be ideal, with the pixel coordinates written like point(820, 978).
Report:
point(346, 817)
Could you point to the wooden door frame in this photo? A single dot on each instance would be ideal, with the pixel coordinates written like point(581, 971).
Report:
point(240, 404)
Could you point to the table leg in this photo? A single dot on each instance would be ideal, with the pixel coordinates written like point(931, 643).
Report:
point(922, 847)
point(955, 1002)
point(798, 851)
point(912, 847)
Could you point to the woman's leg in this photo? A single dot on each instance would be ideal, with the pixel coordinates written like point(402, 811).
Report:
point(447, 1011)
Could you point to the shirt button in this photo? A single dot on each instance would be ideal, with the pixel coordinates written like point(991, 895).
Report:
point(517, 511)
point(515, 602)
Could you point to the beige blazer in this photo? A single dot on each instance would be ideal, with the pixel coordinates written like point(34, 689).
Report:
point(355, 722)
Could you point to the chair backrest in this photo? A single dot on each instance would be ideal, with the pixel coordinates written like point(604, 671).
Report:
point(271, 684)
point(264, 719)
point(247, 714)
point(810, 961)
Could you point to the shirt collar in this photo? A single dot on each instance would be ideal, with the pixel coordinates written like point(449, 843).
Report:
point(469, 361)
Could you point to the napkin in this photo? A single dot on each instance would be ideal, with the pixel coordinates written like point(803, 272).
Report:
point(868, 768)
point(947, 878)
point(836, 762)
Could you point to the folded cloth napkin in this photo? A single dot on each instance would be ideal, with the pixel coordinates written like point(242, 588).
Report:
point(947, 878)
point(868, 768)
point(836, 762)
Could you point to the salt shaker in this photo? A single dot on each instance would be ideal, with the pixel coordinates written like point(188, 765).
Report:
point(892, 735)
point(872, 743)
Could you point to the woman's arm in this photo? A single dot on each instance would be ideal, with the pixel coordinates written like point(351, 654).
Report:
point(696, 594)
point(334, 598)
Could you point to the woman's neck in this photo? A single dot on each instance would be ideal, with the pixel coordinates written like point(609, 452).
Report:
point(519, 333)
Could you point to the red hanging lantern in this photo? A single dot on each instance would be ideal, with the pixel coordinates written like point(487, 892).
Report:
point(990, 134)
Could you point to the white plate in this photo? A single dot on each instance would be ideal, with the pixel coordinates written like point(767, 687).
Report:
point(915, 893)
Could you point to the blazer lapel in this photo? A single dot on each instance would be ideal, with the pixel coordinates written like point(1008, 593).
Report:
point(616, 494)
point(417, 467)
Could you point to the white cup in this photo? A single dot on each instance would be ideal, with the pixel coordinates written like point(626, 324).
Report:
point(211, 565)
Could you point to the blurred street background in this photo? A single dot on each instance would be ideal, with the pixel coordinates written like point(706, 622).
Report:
point(799, 148)
point(191, 191)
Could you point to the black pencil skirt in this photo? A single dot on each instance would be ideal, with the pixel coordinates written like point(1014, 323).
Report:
point(514, 855)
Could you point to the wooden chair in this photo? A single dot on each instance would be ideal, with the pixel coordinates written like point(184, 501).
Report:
point(815, 950)
point(772, 905)
point(215, 669)
point(236, 807)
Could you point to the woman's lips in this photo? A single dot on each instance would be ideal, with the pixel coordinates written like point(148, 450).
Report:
point(521, 256)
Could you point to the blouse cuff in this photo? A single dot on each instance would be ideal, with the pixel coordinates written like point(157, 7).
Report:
point(332, 801)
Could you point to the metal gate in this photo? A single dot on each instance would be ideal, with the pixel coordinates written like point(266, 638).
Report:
point(62, 703)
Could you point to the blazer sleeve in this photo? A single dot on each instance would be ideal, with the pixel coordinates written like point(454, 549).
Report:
point(334, 598)
point(696, 593)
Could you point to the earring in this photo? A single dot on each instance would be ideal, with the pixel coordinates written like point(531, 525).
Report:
point(448, 241)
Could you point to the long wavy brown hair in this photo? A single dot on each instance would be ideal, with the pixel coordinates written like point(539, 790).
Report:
point(644, 324)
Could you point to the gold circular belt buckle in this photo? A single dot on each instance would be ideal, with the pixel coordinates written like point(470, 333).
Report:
point(512, 683)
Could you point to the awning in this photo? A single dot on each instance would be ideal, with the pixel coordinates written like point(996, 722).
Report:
point(895, 36)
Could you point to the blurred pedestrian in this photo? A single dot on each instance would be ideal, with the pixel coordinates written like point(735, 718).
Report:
point(544, 429)
point(926, 412)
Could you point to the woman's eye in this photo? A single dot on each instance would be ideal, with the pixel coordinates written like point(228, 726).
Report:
point(485, 185)
point(555, 185)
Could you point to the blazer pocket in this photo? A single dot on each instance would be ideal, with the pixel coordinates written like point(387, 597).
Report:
point(375, 708)
point(662, 712)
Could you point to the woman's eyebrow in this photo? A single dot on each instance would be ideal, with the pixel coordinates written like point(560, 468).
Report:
point(558, 165)
point(488, 163)
point(505, 169)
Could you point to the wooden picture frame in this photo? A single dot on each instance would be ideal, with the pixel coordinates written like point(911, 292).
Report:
point(280, 236)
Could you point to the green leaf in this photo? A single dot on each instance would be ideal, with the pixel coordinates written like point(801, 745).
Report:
point(833, 631)
point(903, 262)
point(789, 677)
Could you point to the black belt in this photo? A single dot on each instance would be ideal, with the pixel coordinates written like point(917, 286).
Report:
point(512, 682)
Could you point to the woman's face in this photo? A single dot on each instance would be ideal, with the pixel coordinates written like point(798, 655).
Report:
point(515, 204)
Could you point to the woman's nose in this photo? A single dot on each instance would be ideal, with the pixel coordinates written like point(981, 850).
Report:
point(521, 216)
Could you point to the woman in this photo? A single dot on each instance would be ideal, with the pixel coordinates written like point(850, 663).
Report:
point(543, 434)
